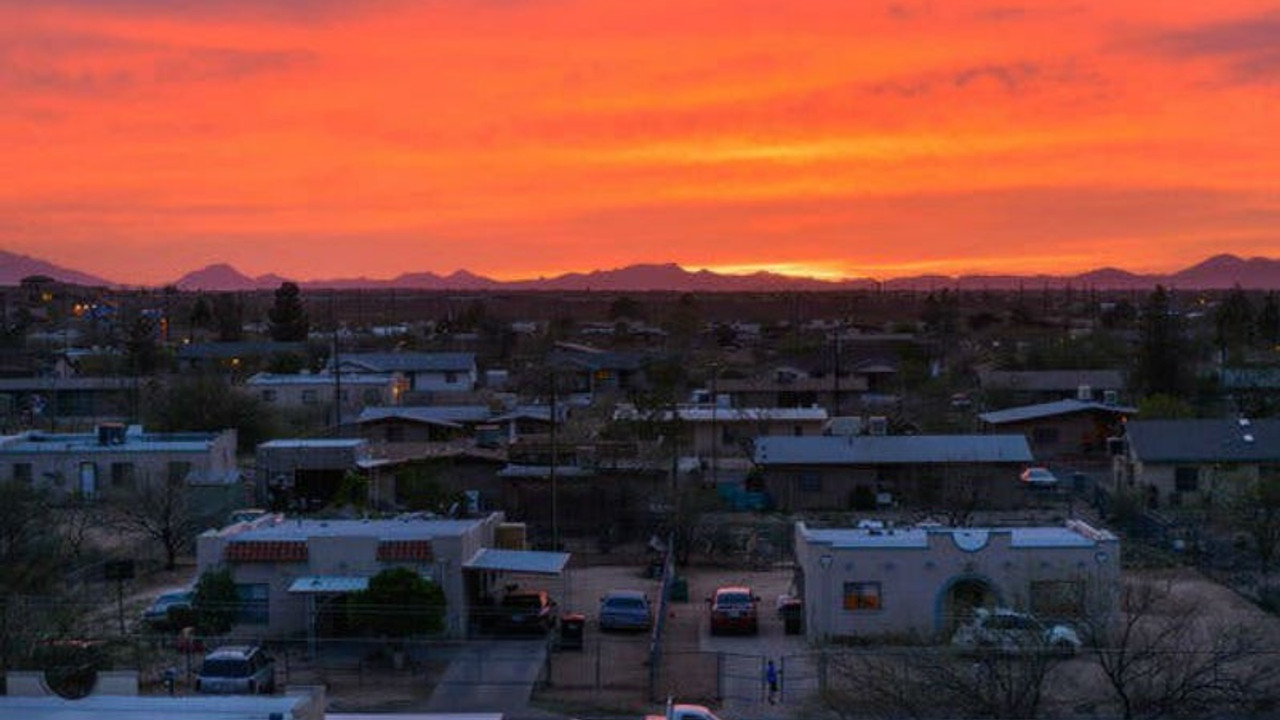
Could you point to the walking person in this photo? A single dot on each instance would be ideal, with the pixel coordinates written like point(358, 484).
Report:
point(771, 679)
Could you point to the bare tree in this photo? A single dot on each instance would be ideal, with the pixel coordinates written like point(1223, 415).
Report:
point(1162, 657)
point(159, 511)
point(933, 682)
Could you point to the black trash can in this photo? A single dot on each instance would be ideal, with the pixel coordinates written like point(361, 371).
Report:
point(792, 612)
point(572, 627)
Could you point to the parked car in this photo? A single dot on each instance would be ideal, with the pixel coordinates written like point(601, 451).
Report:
point(237, 669)
point(1039, 477)
point(625, 610)
point(734, 609)
point(1010, 631)
point(158, 613)
point(528, 611)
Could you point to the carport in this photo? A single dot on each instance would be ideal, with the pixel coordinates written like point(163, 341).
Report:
point(492, 571)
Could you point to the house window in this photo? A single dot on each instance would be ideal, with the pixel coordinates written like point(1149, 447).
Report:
point(450, 378)
point(797, 430)
point(122, 475)
point(22, 473)
point(1044, 436)
point(309, 397)
point(1186, 479)
point(269, 396)
point(372, 396)
point(1057, 598)
point(178, 471)
point(395, 433)
point(810, 482)
point(861, 596)
point(255, 604)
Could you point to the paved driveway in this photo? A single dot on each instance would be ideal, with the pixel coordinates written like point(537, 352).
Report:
point(490, 676)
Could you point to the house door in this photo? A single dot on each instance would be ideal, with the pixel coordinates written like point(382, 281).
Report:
point(88, 479)
point(958, 600)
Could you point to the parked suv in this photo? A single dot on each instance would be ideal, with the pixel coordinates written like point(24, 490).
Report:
point(528, 611)
point(237, 669)
point(1009, 631)
point(734, 609)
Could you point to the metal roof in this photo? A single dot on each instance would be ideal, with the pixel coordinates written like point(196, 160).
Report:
point(411, 361)
point(1052, 409)
point(1050, 380)
point(443, 415)
point(149, 707)
point(533, 562)
point(313, 443)
point(1204, 440)
point(317, 584)
point(891, 449)
point(134, 441)
point(281, 379)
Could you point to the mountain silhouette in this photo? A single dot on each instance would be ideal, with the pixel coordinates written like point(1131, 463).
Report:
point(1217, 272)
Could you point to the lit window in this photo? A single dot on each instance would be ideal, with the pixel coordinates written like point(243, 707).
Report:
point(861, 596)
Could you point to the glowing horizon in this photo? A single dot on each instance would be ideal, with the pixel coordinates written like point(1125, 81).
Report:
point(322, 139)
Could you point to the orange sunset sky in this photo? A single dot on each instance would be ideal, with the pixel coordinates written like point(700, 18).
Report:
point(516, 138)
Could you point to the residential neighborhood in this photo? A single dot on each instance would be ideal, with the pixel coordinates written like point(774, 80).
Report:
point(428, 520)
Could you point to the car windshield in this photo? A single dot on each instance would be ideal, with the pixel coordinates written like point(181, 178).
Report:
point(733, 598)
point(625, 603)
point(224, 667)
point(173, 598)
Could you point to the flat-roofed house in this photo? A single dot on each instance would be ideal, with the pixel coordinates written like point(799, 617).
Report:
point(921, 582)
point(1062, 429)
point(833, 472)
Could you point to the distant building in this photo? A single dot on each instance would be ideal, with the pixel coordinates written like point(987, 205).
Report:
point(902, 582)
point(1067, 429)
point(315, 391)
point(832, 472)
point(306, 474)
point(1014, 387)
point(423, 372)
point(1192, 462)
point(118, 457)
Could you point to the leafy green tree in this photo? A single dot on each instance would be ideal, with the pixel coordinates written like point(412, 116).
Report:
point(1256, 512)
point(208, 402)
point(398, 603)
point(1164, 407)
point(288, 316)
point(216, 602)
point(141, 345)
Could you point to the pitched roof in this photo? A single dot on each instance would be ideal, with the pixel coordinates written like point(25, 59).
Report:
point(1050, 380)
point(1205, 440)
point(442, 415)
point(891, 449)
point(1056, 408)
point(411, 361)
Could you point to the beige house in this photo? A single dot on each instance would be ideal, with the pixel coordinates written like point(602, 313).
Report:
point(921, 582)
point(293, 575)
point(120, 457)
point(308, 391)
point(1172, 463)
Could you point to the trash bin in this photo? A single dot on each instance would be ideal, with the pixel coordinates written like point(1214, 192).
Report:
point(792, 612)
point(572, 627)
point(679, 590)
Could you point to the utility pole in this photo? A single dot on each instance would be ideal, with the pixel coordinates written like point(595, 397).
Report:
point(555, 521)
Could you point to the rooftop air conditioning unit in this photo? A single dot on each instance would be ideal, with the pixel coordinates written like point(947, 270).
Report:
point(1110, 397)
point(1084, 393)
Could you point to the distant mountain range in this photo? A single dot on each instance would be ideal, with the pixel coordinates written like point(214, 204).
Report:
point(1220, 271)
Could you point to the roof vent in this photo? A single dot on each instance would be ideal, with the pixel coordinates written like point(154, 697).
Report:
point(1248, 437)
point(1244, 422)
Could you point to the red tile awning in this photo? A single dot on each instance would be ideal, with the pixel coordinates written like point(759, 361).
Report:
point(405, 550)
point(266, 551)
